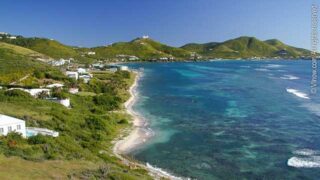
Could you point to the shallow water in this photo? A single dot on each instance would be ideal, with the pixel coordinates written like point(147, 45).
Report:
point(231, 119)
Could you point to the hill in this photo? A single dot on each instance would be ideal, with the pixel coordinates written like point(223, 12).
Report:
point(17, 62)
point(246, 47)
point(143, 48)
point(148, 49)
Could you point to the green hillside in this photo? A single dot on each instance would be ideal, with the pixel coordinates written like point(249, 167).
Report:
point(17, 62)
point(148, 49)
point(142, 48)
point(246, 47)
point(45, 46)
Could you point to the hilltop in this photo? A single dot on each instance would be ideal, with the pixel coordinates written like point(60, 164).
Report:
point(145, 48)
point(246, 47)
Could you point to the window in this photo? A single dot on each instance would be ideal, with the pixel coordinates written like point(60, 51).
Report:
point(9, 128)
point(18, 127)
point(1, 131)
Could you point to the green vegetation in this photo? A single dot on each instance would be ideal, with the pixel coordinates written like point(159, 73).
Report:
point(145, 49)
point(17, 62)
point(148, 49)
point(246, 47)
point(86, 130)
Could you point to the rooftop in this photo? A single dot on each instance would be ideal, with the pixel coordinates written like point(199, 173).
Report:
point(5, 120)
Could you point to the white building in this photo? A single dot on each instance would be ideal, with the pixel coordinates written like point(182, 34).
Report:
point(55, 85)
point(72, 74)
point(91, 53)
point(10, 124)
point(33, 92)
point(86, 78)
point(73, 90)
point(82, 70)
point(65, 102)
point(124, 68)
point(12, 37)
point(145, 37)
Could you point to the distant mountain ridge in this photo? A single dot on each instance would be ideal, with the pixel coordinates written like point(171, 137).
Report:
point(149, 49)
point(247, 47)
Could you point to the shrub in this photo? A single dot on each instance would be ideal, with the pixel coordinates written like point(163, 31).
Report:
point(107, 102)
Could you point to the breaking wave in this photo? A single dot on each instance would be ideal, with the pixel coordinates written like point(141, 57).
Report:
point(298, 93)
point(289, 77)
point(307, 162)
point(162, 172)
point(273, 66)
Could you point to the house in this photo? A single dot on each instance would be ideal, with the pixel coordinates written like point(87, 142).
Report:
point(145, 37)
point(86, 78)
point(12, 37)
point(59, 62)
point(72, 74)
point(124, 68)
point(10, 124)
point(55, 85)
point(91, 53)
point(73, 90)
point(82, 71)
point(98, 66)
point(37, 92)
point(164, 58)
point(133, 58)
point(33, 92)
point(64, 102)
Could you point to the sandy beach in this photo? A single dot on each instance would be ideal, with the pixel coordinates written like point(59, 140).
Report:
point(139, 133)
point(137, 136)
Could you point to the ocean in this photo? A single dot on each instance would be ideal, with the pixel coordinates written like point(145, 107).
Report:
point(230, 119)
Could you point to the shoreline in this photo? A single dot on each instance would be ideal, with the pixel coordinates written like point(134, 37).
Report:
point(139, 134)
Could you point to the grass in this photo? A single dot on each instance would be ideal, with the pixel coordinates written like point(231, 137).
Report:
point(86, 132)
point(17, 168)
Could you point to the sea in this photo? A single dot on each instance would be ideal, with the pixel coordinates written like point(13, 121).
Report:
point(230, 119)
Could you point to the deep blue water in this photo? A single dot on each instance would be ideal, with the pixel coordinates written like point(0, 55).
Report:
point(231, 119)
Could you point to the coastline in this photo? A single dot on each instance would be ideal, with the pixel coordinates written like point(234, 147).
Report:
point(139, 134)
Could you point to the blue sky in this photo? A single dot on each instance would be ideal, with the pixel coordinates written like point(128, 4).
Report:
point(175, 22)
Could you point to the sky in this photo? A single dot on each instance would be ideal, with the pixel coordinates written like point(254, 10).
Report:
point(175, 22)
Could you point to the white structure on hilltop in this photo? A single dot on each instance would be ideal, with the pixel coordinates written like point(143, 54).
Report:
point(145, 37)
point(72, 74)
point(10, 124)
point(3, 33)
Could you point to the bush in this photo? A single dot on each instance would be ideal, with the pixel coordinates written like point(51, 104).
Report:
point(38, 139)
point(107, 102)
point(123, 121)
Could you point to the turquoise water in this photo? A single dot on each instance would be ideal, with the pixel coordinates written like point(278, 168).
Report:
point(231, 119)
point(30, 133)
